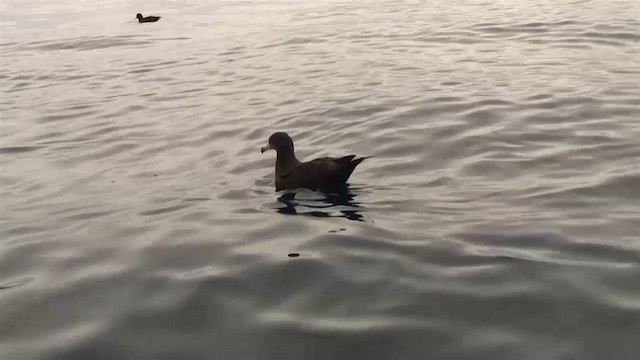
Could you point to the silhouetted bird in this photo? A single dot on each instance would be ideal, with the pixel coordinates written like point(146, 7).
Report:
point(142, 19)
point(320, 174)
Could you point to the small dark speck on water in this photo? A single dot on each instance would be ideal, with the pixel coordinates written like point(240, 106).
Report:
point(112, 181)
point(293, 255)
point(155, 174)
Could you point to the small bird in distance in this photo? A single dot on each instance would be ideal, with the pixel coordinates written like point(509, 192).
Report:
point(142, 19)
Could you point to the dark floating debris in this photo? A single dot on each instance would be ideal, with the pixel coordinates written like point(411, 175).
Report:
point(293, 255)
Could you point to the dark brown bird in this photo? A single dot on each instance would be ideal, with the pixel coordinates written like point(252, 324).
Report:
point(142, 19)
point(320, 174)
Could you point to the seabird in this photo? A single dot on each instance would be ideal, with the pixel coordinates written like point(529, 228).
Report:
point(143, 19)
point(320, 174)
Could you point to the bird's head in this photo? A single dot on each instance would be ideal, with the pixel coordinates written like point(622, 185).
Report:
point(280, 142)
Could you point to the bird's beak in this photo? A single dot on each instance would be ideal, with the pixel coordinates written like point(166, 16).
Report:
point(266, 148)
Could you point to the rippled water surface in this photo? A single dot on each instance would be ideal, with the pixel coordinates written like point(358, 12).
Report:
point(499, 218)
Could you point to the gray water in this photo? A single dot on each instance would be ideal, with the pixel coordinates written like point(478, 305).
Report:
point(499, 218)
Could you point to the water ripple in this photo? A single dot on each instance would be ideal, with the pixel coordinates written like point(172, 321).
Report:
point(498, 217)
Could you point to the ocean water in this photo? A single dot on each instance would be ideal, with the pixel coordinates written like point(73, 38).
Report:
point(498, 219)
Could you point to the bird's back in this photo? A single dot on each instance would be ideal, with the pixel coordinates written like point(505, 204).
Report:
point(319, 174)
point(150, 19)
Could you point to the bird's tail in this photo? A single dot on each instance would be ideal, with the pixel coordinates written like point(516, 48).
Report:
point(349, 165)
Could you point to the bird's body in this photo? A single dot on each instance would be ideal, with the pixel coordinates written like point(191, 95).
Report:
point(143, 19)
point(321, 174)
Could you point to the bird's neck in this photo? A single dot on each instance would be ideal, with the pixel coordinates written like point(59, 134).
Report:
point(286, 161)
point(286, 156)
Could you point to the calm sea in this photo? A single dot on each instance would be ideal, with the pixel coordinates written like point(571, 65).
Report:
point(499, 218)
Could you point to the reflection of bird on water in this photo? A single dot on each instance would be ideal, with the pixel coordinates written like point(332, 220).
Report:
point(340, 200)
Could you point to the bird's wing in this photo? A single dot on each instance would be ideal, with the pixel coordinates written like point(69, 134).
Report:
point(320, 167)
